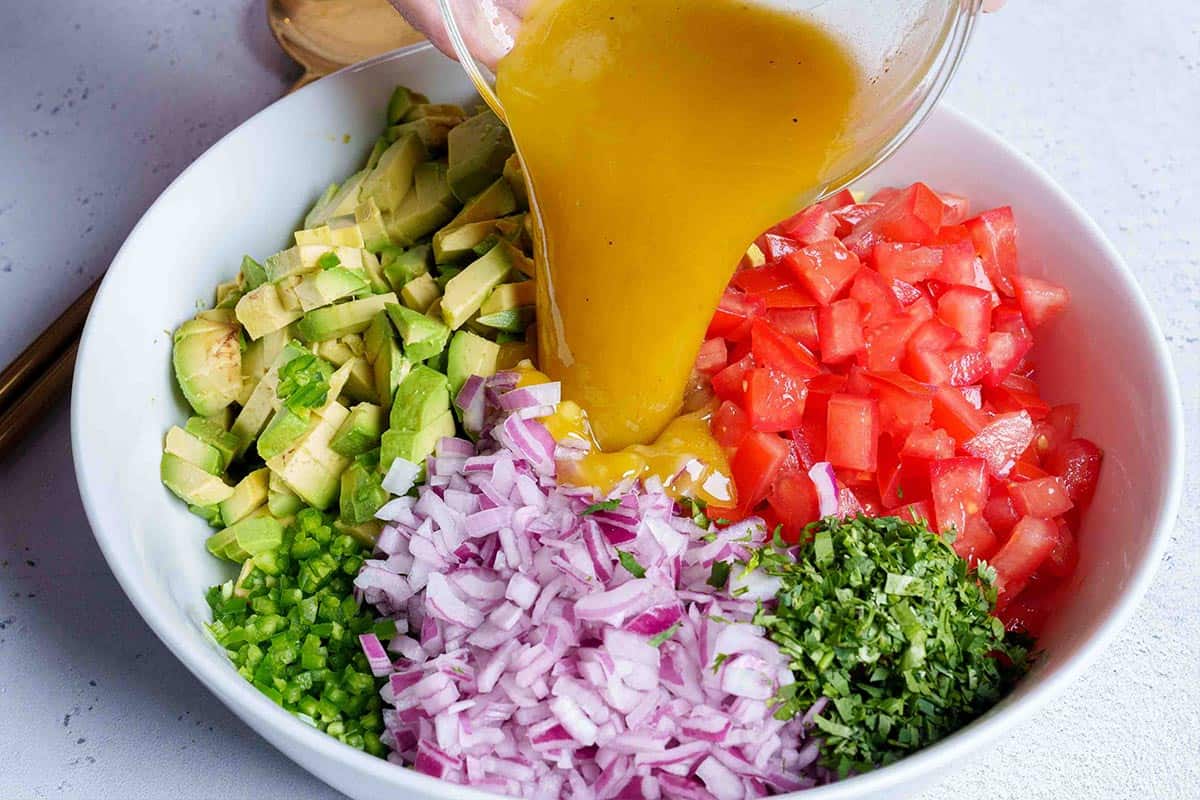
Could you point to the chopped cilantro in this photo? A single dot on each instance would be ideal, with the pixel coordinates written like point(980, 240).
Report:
point(719, 660)
point(304, 382)
point(881, 617)
point(603, 505)
point(658, 639)
point(630, 564)
point(720, 574)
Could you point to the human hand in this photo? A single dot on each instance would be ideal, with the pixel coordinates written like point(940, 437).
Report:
point(488, 27)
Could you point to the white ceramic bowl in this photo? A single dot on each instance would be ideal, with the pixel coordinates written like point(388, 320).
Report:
point(248, 192)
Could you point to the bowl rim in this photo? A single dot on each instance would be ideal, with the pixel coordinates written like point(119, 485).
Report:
point(276, 724)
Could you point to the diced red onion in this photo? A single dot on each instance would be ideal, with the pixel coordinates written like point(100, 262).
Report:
point(825, 481)
point(401, 476)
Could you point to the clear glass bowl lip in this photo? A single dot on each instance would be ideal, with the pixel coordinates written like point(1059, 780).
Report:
point(947, 53)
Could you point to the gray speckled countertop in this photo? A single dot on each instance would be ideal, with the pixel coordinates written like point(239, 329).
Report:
point(102, 104)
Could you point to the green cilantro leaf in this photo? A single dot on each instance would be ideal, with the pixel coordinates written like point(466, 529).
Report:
point(603, 505)
point(630, 564)
point(658, 639)
point(720, 575)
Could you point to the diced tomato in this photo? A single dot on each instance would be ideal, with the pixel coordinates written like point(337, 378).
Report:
point(803, 453)
point(957, 263)
point(1029, 610)
point(874, 293)
point(774, 246)
point(906, 262)
point(798, 323)
point(713, 356)
point(1000, 512)
point(1027, 471)
point(884, 194)
point(901, 479)
point(994, 233)
point(952, 412)
point(1040, 301)
point(1061, 424)
point(793, 498)
point(774, 400)
point(1007, 317)
point(772, 349)
point(813, 224)
point(729, 424)
point(1077, 463)
point(976, 543)
point(1001, 442)
point(973, 395)
point(1006, 397)
point(884, 346)
point(913, 214)
point(959, 489)
point(788, 297)
point(905, 293)
point(932, 336)
point(825, 269)
point(1004, 352)
point(730, 383)
point(969, 311)
point(928, 443)
point(913, 512)
point(1065, 555)
point(850, 216)
point(732, 318)
point(761, 279)
point(1044, 498)
point(839, 199)
point(756, 464)
point(1027, 548)
point(852, 432)
point(966, 365)
point(904, 404)
point(955, 208)
point(839, 329)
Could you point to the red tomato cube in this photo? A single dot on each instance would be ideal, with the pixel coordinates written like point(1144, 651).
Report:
point(813, 224)
point(913, 214)
point(1027, 548)
point(774, 400)
point(1040, 301)
point(928, 443)
point(793, 498)
point(772, 349)
point(839, 199)
point(969, 311)
point(959, 489)
point(1001, 442)
point(874, 293)
point(730, 383)
point(761, 279)
point(904, 404)
point(977, 543)
point(906, 262)
point(713, 356)
point(1004, 352)
point(755, 465)
point(1065, 554)
point(729, 424)
point(1044, 498)
point(1000, 512)
point(733, 315)
point(775, 246)
point(955, 208)
point(916, 512)
point(966, 366)
point(852, 432)
point(1077, 463)
point(798, 323)
point(839, 329)
point(952, 412)
point(994, 234)
point(825, 269)
point(902, 480)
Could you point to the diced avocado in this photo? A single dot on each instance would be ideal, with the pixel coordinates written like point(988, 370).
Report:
point(453, 244)
point(360, 432)
point(261, 312)
point(509, 295)
point(310, 468)
point(337, 382)
point(423, 110)
point(361, 494)
point(190, 483)
point(421, 397)
point(253, 274)
point(511, 320)
point(222, 420)
point(213, 433)
point(423, 336)
point(339, 231)
point(355, 342)
point(249, 537)
point(432, 132)
point(207, 357)
point(249, 494)
point(222, 316)
point(469, 355)
point(286, 287)
point(414, 445)
point(390, 368)
point(284, 263)
point(513, 353)
point(335, 352)
point(466, 291)
point(402, 266)
point(377, 150)
point(478, 149)
point(191, 449)
point(401, 102)
point(375, 277)
point(495, 201)
point(428, 207)
point(445, 275)
point(360, 385)
point(332, 322)
point(514, 173)
point(392, 178)
point(305, 257)
point(282, 501)
point(377, 334)
point(283, 431)
point(365, 533)
point(226, 291)
point(313, 217)
point(257, 358)
point(341, 203)
point(419, 293)
point(210, 514)
point(323, 287)
point(370, 221)
point(263, 400)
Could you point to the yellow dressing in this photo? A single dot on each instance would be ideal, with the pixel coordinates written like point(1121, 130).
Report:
point(660, 137)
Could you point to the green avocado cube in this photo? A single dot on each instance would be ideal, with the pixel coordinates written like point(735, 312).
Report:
point(360, 432)
point(281, 501)
point(510, 320)
point(365, 533)
point(420, 293)
point(361, 494)
point(466, 291)
point(314, 215)
point(324, 287)
point(337, 232)
point(495, 201)
point(263, 400)
point(390, 368)
point(431, 132)
point(360, 384)
point(429, 206)
point(247, 538)
point(451, 245)
point(401, 102)
point(479, 148)
point(249, 495)
point(332, 322)
point(190, 483)
point(283, 431)
point(509, 295)
point(310, 468)
point(253, 274)
point(191, 449)
point(423, 110)
point(420, 398)
point(390, 182)
point(400, 267)
point(424, 337)
point(514, 173)
point(340, 203)
point(469, 355)
point(213, 433)
point(414, 445)
point(369, 218)
point(378, 332)
point(207, 358)
point(262, 311)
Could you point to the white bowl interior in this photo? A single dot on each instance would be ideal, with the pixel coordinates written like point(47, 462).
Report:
point(251, 188)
